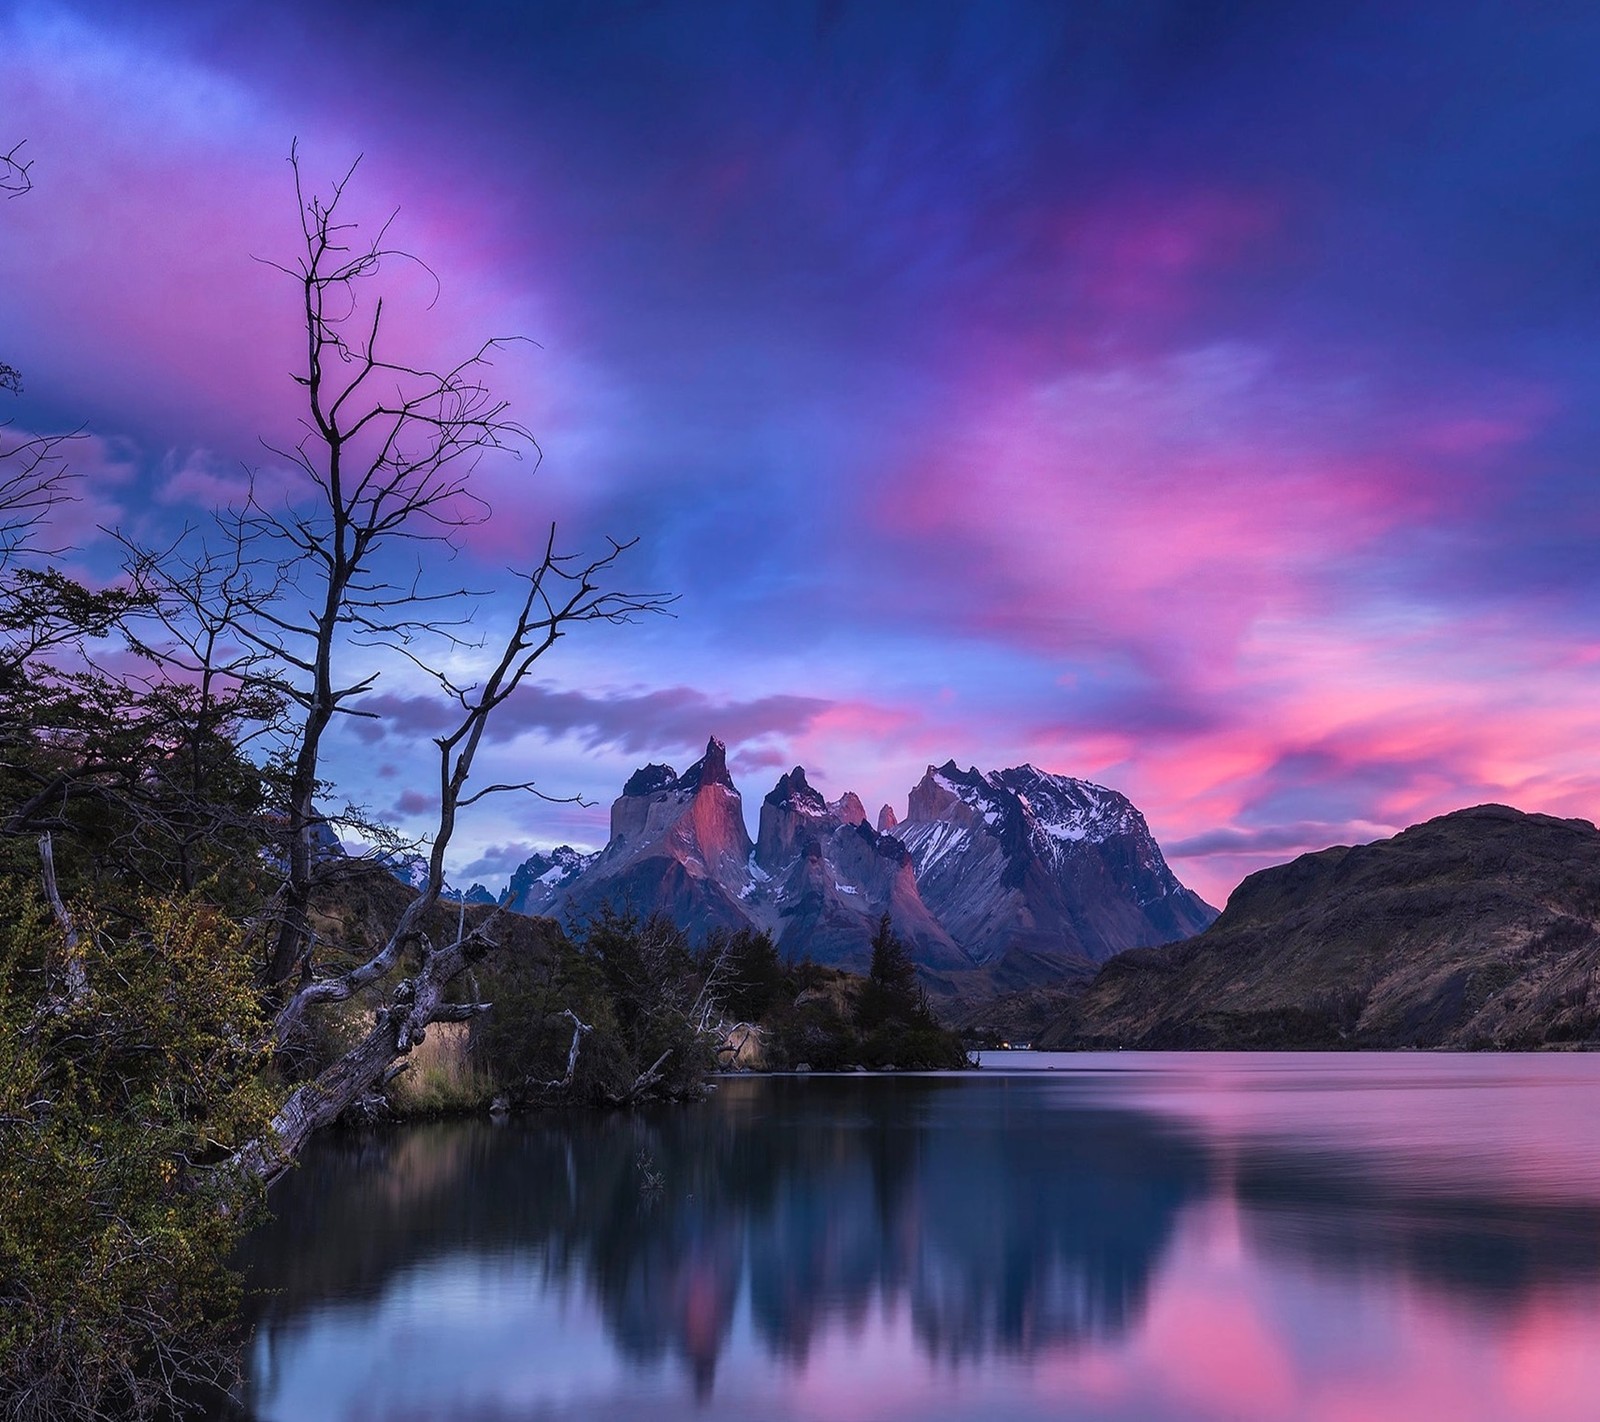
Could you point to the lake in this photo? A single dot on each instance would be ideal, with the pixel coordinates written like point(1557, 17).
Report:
point(1108, 1236)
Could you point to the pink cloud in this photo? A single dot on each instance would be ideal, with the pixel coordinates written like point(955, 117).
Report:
point(1191, 524)
point(158, 182)
point(1163, 504)
point(198, 481)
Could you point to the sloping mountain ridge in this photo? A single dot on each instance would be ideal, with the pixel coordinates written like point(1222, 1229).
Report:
point(993, 881)
point(1478, 929)
point(538, 884)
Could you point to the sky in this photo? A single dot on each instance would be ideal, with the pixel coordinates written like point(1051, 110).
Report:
point(1198, 399)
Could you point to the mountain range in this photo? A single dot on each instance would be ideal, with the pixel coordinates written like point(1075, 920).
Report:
point(992, 880)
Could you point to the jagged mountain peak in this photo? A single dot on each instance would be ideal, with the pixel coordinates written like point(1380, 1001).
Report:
point(1043, 870)
point(710, 769)
point(1023, 800)
point(794, 814)
point(541, 879)
point(647, 779)
point(794, 792)
point(849, 809)
point(1066, 809)
point(1001, 854)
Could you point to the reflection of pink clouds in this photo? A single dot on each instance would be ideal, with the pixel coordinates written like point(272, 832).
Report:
point(1552, 1367)
point(1225, 1338)
point(869, 1370)
point(1219, 1354)
point(1218, 1343)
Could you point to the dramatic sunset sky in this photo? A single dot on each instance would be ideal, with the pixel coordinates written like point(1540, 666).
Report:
point(1202, 399)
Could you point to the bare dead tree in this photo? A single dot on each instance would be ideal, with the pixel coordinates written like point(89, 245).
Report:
point(34, 478)
point(212, 682)
point(387, 451)
point(561, 593)
point(15, 180)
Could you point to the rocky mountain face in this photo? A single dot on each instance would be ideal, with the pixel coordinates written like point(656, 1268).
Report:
point(1477, 929)
point(678, 846)
point(827, 877)
point(1019, 863)
point(993, 881)
point(412, 871)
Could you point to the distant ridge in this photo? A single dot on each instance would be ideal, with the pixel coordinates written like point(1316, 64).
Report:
point(1478, 929)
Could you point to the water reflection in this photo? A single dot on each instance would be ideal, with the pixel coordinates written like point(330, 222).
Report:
point(1178, 1239)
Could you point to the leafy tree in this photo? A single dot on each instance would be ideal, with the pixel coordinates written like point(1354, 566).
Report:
point(746, 973)
point(603, 1016)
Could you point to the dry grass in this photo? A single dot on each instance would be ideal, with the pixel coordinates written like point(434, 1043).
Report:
point(442, 1079)
point(748, 1055)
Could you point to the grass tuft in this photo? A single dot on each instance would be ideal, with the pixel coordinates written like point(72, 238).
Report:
point(442, 1080)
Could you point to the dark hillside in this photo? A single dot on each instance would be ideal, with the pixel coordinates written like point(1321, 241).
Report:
point(1479, 929)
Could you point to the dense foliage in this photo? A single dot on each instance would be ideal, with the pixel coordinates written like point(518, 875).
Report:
point(651, 1009)
point(116, 1101)
point(133, 1036)
point(832, 1021)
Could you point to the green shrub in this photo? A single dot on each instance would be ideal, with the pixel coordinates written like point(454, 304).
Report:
point(115, 1105)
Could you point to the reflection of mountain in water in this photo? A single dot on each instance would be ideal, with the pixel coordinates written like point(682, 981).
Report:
point(1351, 1215)
point(1003, 1222)
point(989, 1217)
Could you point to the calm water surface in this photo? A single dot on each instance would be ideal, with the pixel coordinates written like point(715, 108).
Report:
point(1125, 1236)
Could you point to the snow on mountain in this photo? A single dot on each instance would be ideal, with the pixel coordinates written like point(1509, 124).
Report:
point(1022, 860)
point(536, 885)
point(834, 877)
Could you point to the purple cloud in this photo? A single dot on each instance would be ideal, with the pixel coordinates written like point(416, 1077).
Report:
point(672, 719)
point(1277, 841)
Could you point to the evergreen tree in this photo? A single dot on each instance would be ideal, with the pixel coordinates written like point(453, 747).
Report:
point(891, 993)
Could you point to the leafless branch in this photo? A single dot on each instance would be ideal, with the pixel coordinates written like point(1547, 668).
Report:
point(15, 174)
point(77, 981)
point(34, 478)
point(649, 1077)
point(580, 1030)
point(386, 453)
